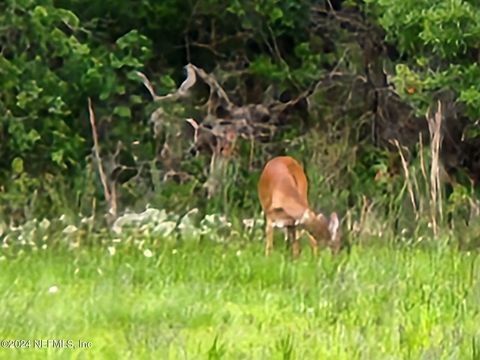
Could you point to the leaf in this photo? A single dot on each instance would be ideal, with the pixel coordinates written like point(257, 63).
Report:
point(69, 17)
point(115, 62)
point(120, 89)
point(168, 82)
point(57, 157)
point(40, 12)
point(276, 14)
point(122, 111)
point(128, 39)
point(33, 136)
point(17, 165)
point(136, 99)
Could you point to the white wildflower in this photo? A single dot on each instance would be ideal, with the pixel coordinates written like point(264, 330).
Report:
point(87, 220)
point(45, 224)
point(165, 228)
point(147, 253)
point(70, 229)
point(148, 217)
point(53, 289)
point(248, 223)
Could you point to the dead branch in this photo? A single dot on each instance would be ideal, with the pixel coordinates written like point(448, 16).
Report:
point(224, 121)
point(216, 91)
point(110, 195)
point(182, 91)
point(208, 47)
point(435, 128)
point(103, 177)
point(407, 178)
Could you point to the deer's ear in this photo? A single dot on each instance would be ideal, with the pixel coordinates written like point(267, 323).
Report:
point(333, 225)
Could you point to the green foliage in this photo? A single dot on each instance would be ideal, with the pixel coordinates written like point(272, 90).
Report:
point(37, 116)
point(447, 28)
point(438, 41)
point(50, 64)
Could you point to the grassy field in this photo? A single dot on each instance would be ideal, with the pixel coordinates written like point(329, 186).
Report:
point(213, 301)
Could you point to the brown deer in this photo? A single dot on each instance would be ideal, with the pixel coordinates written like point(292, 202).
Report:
point(282, 190)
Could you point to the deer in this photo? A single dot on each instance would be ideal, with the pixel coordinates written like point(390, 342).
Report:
point(282, 191)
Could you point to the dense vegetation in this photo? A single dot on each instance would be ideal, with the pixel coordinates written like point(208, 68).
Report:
point(373, 68)
point(378, 98)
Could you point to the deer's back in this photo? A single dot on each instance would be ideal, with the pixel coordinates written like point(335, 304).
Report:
point(283, 188)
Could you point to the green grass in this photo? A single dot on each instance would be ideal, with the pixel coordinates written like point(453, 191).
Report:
point(200, 301)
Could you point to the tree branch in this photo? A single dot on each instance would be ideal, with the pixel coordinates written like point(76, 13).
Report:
point(103, 177)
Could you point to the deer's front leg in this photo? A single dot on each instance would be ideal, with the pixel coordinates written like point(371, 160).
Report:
point(313, 244)
point(294, 240)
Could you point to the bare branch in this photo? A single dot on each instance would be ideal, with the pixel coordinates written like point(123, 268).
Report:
point(147, 84)
point(215, 88)
point(103, 177)
point(182, 91)
point(210, 48)
point(407, 177)
point(435, 127)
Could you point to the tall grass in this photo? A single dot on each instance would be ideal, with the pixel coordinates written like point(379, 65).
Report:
point(207, 300)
